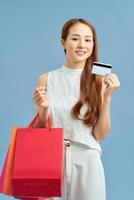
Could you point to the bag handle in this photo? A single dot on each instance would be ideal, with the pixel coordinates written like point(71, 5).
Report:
point(48, 122)
point(33, 121)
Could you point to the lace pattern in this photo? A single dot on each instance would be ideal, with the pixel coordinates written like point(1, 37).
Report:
point(63, 92)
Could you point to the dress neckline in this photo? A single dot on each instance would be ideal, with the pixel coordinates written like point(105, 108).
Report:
point(77, 70)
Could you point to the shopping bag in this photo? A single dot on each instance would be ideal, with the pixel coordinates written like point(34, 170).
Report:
point(38, 162)
point(6, 174)
point(2, 176)
point(5, 179)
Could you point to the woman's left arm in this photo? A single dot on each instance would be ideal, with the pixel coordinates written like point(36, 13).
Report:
point(110, 83)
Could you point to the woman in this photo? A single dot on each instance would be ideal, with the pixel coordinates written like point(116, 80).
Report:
point(78, 101)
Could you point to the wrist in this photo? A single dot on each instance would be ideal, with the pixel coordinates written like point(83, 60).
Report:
point(107, 98)
point(43, 116)
point(43, 110)
point(43, 113)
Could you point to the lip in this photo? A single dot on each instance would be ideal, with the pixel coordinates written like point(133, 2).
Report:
point(80, 53)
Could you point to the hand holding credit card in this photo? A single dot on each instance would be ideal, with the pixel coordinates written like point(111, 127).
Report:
point(101, 68)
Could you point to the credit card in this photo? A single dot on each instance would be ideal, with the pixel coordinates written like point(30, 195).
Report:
point(101, 68)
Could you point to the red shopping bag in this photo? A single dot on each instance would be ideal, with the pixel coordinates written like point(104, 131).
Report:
point(38, 162)
point(6, 174)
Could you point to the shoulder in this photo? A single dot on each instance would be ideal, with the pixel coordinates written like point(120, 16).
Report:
point(44, 77)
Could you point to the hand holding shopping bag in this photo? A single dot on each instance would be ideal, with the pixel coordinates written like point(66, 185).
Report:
point(36, 167)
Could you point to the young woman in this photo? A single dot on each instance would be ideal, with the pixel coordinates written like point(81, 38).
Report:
point(78, 101)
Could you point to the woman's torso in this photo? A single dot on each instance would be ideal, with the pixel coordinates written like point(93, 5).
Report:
point(63, 87)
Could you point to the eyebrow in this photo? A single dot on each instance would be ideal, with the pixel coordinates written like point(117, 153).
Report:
point(79, 35)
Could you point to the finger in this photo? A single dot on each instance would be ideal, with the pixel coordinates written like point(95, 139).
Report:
point(108, 82)
point(37, 100)
point(111, 80)
point(114, 80)
point(43, 102)
point(40, 88)
point(112, 76)
point(39, 93)
point(39, 97)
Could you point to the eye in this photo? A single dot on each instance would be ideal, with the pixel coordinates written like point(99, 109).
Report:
point(75, 39)
point(88, 40)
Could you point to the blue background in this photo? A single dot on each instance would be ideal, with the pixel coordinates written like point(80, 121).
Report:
point(30, 45)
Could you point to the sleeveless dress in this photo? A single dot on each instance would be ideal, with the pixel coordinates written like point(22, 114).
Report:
point(83, 173)
point(63, 88)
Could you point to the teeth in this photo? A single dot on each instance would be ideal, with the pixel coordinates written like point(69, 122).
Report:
point(80, 52)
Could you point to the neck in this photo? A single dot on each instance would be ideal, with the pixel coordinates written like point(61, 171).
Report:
point(74, 65)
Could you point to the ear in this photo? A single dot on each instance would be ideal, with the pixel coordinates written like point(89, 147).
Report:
point(63, 43)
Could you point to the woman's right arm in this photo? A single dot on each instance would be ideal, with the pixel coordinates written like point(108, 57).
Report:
point(40, 97)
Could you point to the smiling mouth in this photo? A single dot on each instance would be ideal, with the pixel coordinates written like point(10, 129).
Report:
point(80, 53)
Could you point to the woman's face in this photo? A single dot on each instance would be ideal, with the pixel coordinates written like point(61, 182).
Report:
point(79, 44)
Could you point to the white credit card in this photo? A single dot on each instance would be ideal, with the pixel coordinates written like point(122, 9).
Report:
point(101, 68)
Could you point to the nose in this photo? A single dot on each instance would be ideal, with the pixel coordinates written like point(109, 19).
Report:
point(81, 43)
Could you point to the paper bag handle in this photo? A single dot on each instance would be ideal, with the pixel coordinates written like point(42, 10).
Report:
point(48, 122)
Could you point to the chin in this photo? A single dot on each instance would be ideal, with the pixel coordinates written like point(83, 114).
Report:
point(81, 59)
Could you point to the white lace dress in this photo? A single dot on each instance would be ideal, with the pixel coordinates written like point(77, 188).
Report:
point(63, 92)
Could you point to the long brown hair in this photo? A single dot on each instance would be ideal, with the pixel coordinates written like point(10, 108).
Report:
point(90, 84)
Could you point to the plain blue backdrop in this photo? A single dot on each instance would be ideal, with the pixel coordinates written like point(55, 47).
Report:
point(30, 45)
